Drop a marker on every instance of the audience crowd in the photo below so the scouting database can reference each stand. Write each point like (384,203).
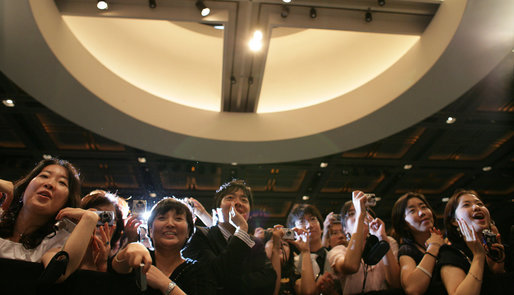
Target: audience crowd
(53,241)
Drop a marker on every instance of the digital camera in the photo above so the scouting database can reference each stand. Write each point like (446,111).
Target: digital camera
(289,234)
(489,240)
(371,200)
(105,216)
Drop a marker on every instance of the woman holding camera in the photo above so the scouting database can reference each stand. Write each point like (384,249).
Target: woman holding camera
(170,225)
(475,261)
(356,277)
(413,223)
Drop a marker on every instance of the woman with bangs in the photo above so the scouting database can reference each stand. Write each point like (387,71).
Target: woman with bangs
(476,262)
(170,226)
(414,227)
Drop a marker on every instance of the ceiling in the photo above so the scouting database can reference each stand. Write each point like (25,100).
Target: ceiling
(73,102)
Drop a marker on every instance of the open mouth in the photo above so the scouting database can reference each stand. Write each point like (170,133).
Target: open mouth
(170,234)
(45,194)
(478,216)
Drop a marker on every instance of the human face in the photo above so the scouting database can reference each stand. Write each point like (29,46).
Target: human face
(311,224)
(285,250)
(169,230)
(418,216)
(239,201)
(351,220)
(259,233)
(336,235)
(473,211)
(47,193)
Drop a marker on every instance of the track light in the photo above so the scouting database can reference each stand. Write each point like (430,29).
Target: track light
(204,10)
(285,11)
(368,17)
(152,3)
(102,5)
(381,2)
(313,13)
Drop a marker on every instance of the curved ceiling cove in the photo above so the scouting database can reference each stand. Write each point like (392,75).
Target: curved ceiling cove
(316,88)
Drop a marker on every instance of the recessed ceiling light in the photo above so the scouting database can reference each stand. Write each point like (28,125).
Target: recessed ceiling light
(219,27)
(102,5)
(47,156)
(8,103)
(152,195)
(323,164)
(407,166)
(286,1)
(451,120)
(233,163)
(141,160)
(305,198)
(487,168)
(445,200)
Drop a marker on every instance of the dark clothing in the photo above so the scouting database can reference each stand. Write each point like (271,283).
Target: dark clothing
(455,255)
(436,285)
(236,268)
(189,276)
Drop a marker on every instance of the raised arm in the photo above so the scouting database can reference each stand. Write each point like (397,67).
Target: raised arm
(325,238)
(306,285)
(377,228)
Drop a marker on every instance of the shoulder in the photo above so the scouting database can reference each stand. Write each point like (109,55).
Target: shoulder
(451,255)
(407,249)
(336,252)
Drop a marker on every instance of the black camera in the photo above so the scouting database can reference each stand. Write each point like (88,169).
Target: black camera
(105,216)
(489,240)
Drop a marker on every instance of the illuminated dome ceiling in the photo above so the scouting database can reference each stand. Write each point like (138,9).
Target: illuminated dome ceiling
(165,80)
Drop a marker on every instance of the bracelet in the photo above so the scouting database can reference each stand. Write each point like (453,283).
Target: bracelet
(434,244)
(425,271)
(118,260)
(476,278)
(171,286)
(435,257)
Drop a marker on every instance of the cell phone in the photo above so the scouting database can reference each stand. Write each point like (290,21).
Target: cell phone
(140,278)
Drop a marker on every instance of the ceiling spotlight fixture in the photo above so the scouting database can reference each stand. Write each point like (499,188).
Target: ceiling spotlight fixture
(313,13)
(286,1)
(445,200)
(141,160)
(323,165)
(381,2)
(285,11)
(407,166)
(8,103)
(102,5)
(47,156)
(152,3)
(219,27)
(256,41)
(487,168)
(368,17)
(451,120)
(204,10)
(305,198)
(152,195)
(233,163)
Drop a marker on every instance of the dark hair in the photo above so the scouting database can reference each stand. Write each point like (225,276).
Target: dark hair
(9,217)
(99,198)
(172,204)
(344,213)
(401,230)
(449,214)
(299,212)
(288,269)
(231,187)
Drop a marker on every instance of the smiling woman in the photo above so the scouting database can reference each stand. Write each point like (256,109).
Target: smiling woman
(27,226)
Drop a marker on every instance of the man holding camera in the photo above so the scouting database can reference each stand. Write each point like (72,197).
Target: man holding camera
(237,262)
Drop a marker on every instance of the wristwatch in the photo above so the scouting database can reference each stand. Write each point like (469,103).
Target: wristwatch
(171,286)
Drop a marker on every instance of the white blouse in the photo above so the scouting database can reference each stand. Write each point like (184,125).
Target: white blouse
(13,250)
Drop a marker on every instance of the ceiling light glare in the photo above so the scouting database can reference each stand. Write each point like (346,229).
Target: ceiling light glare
(451,120)
(255,43)
(305,198)
(487,168)
(445,200)
(407,166)
(47,156)
(102,5)
(286,1)
(323,165)
(257,35)
(152,195)
(204,10)
(233,163)
(8,103)
(141,160)
(219,27)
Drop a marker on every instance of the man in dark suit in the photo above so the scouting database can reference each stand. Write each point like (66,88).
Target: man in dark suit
(236,260)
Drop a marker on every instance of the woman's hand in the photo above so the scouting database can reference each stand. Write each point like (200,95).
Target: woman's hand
(131,229)
(359,202)
(377,228)
(102,245)
(326,284)
(302,240)
(156,279)
(134,255)
(471,238)
(74,214)
(435,240)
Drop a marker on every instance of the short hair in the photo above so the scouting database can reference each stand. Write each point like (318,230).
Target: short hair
(99,198)
(8,218)
(401,230)
(231,187)
(300,211)
(452,231)
(172,204)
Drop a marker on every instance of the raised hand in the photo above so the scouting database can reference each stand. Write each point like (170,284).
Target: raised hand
(74,214)
(102,245)
(134,255)
(302,240)
(131,229)
(377,228)
(359,202)
(470,237)
(435,239)
(237,220)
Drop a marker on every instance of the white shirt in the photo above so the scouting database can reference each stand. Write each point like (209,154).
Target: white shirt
(13,250)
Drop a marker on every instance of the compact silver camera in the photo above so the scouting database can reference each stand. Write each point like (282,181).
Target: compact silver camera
(289,234)
(371,200)
(105,216)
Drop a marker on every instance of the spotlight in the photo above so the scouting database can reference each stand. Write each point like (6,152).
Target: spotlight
(487,168)
(368,17)
(204,10)
(152,3)
(305,198)
(313,13)
(141,160)
(102,5)
(451,120)
(285,11)
(381,2)
(286,1)
(8,103)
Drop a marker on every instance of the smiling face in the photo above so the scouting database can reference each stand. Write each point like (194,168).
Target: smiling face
(47,192)
(239,200)
(418,216)
(473,211)
(169,230)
